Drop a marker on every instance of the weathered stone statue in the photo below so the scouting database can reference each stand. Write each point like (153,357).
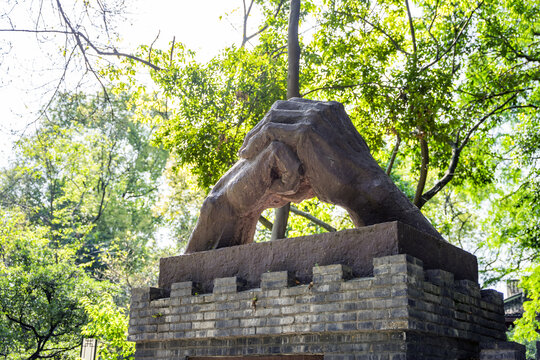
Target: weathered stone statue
(301,148)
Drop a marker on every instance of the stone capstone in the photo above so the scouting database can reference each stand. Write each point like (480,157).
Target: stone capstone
(355,248)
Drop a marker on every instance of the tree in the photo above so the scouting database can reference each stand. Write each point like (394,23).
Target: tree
(83,189)
(89,175)
(433,80)
(40,290)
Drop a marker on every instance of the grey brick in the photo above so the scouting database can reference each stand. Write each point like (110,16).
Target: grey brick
(140,295)
(264,330)
(297,328)
(163,327)
(180,326)
(269,293)
(192,317)
(227,323)
(282,320)
(335,272)
(341,296)
(196,325)
(258,322)
(295,309)
(276,280)
(396,259)
(326,287)
(163,302)
(279,301)
(440,277)
(341,326)
(294,291)
(492,296)
(227,285)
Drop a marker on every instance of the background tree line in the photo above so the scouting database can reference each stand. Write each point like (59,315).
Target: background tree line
(446,94)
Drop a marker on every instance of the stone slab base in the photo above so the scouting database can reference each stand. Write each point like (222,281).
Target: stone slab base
(355,248)
(403,311)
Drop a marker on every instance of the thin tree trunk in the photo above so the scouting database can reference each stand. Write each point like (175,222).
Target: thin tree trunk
(293,75)
(293,90)
(394,154)
(423,173)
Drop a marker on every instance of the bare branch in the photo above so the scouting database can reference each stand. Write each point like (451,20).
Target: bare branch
(411,26)
(266,223)
(312,218)
(172,51)
(151,46)
(246,38)
(78,36)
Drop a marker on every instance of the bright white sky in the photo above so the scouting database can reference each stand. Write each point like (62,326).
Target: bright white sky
(28,76)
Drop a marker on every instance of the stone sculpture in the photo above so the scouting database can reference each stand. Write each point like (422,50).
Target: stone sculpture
(300,149)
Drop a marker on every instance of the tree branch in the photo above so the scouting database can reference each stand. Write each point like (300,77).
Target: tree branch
(454,43)
(151,46)
(246,38)
(78,36)
(23,325)
(411,26)
(312,218)
(431,25)
(449,175)
(483,119)
(341,87)
(456,152)
(266,223)
(392,40)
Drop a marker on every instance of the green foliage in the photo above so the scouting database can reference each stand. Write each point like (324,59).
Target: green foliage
(180,207)
(40,289)
(109,324)
(527,327)
(89,175)
(77,206)
(439,83)
(207,109)
(334,216)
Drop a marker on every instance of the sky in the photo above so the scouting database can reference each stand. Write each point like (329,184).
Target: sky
(29,74)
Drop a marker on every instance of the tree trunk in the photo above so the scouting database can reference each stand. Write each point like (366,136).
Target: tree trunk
(293,75)
(293,90)
(423,173)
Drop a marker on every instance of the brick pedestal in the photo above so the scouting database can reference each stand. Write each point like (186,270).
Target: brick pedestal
(402,311)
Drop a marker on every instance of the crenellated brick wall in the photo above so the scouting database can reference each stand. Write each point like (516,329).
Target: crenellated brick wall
(401,312)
